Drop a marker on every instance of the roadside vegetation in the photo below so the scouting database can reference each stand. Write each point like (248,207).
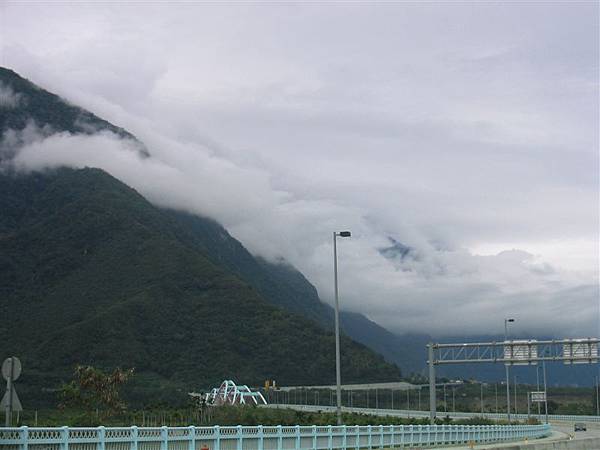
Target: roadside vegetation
(223,416)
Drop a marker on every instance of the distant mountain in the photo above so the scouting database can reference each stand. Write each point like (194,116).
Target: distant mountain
(90,272)
(559,374)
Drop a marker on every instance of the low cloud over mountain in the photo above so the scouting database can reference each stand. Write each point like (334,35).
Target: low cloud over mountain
(459,151)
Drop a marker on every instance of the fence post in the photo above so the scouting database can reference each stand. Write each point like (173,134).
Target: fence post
(164,438)
(370,439)
(134,438)
(380,436)
(297,443)
(279,438)
(392,427)
(217,433)
(329,438)
(192,442)
(64,436)
(314,437)
(261,438)
(101,438)
(239,444)
(24,437)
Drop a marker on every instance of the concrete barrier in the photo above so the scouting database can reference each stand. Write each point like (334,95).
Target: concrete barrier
(575,444)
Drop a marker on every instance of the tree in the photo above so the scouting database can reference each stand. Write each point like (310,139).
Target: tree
(95,390)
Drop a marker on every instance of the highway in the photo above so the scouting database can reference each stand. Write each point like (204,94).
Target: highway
(563,429)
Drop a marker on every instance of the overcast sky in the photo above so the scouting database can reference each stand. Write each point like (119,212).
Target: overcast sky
(465,131)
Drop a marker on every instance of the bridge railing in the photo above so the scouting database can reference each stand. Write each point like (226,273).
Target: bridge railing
(262,437)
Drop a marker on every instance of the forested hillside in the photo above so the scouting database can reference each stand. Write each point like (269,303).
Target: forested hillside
(90,272)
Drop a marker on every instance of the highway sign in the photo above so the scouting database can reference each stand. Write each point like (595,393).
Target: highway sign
(14,364)
(539,396)
(520,352)
(16,403)
(580,351)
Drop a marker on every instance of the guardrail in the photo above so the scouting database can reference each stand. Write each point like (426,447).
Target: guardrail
(440,414)
(262,437)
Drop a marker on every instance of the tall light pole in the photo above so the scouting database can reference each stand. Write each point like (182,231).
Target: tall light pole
(338,376)
(506,322)
(545,391)
(496,389)
(537,384)
(515,389)
(597,401)
(481,397)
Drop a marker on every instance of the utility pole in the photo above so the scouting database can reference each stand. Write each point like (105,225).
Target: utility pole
(453,399)
(481,397)
(537,384)
(506,321)
(432,405)
(516,411)
(545,391)
(496,389)
(338,376)
(597,403)
(445,403)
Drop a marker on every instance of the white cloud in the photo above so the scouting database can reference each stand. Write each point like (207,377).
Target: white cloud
(286,122)
(9,99)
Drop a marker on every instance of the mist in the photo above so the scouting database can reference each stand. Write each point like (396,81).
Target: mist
(457,149)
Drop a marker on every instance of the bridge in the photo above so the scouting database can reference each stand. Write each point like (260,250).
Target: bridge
(264,437)
(561,425)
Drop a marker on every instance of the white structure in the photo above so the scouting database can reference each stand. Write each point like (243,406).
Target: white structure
(231,394)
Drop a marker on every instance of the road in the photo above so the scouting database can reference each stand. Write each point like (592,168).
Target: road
(562,430)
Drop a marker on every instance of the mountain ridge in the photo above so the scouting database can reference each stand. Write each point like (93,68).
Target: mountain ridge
(93,273)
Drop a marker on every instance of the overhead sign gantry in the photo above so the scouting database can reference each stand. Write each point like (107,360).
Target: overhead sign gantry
(510,352)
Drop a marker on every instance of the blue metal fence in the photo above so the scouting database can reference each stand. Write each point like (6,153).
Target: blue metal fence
(262,437)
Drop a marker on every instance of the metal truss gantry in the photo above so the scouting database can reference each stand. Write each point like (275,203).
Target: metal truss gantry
(510,352)
(231,394)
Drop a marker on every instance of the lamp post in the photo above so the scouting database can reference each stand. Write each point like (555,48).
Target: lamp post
(515,389)
(506,322)
(597,401)
(537,384)
(545,390)
(338,377)
(481,397)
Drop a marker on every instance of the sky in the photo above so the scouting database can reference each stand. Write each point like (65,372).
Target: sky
(466,132)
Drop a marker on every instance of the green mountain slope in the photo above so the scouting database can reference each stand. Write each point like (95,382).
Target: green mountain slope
(280,283)
(33,105)
(283,285)
(90,272)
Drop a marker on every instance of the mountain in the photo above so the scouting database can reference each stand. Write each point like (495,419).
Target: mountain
(81,283)
(279,283)
(90,272)
(283,285)
(23,104)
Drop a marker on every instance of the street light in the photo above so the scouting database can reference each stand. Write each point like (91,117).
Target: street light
(506,322)
(338,377)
